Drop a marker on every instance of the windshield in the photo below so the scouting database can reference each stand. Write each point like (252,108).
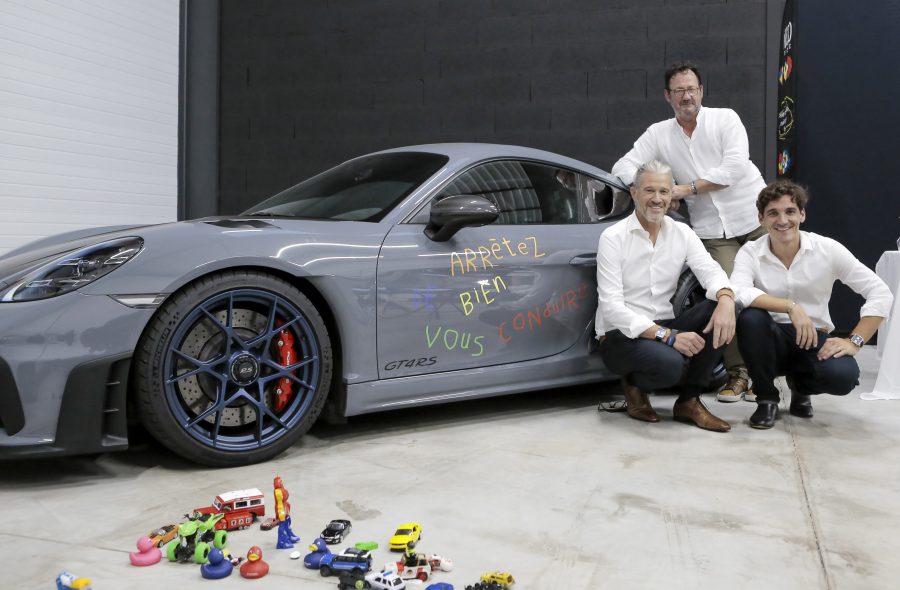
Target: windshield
(364,189)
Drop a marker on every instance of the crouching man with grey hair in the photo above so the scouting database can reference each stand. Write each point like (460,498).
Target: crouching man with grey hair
(639,261)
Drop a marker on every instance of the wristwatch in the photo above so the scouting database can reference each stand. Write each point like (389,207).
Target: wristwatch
(858,340)
(660,334)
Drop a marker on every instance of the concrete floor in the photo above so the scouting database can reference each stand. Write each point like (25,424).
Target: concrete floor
(540,485)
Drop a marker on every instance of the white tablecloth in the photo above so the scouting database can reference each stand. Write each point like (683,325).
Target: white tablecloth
(887,384)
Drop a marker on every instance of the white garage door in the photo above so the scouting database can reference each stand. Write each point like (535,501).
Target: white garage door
(88,115)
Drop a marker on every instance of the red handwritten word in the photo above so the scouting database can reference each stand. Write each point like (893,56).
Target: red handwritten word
(531,319)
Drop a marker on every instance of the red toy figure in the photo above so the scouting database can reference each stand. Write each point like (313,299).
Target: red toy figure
(254,567)
(286,537)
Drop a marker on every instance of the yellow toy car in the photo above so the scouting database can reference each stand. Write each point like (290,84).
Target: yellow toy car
(405,536)
(503,578)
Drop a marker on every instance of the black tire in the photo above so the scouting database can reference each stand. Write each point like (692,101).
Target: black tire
(325,571)
(688,293)
(216,319)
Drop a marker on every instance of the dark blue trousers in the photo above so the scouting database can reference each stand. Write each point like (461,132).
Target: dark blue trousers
(769,350)
(651,365)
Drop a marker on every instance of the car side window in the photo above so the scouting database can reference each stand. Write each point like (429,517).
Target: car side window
(525,193)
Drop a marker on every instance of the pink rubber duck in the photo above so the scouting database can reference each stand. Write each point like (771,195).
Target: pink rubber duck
(147,553)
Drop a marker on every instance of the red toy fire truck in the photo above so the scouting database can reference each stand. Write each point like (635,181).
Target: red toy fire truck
(240,507)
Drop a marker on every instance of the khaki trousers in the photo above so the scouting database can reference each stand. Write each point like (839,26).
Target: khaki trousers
(724,251)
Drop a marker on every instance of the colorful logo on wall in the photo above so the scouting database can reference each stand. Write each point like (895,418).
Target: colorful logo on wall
(786,118)
(786,70)
(785,161)
(786,37)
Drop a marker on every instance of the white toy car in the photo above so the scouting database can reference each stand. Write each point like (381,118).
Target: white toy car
(386,580)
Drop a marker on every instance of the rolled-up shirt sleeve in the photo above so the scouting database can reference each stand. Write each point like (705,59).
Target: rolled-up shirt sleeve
(742,278)
(859,277)
(735,153)
(644,150)
(707,270)
(611,291)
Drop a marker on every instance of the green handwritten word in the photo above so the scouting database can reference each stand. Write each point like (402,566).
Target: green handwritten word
(481,293)
(453,339)
(484,256)
(532,318)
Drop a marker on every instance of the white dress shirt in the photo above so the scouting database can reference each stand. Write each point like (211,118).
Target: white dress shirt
(809,280)
(717,151)
(636,279)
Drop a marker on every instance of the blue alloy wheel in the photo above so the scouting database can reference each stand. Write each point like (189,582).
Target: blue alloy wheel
(243,373)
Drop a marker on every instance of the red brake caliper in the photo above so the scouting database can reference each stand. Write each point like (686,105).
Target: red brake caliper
(284,390)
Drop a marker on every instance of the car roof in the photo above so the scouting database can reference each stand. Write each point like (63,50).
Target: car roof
(238,494)
(463,154)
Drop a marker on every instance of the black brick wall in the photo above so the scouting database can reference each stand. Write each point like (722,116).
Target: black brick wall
(306,84)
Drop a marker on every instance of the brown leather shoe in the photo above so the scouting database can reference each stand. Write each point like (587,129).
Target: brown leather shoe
(637,405)
(694,412)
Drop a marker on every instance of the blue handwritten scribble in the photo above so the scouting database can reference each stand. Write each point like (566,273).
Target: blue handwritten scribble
(424,298)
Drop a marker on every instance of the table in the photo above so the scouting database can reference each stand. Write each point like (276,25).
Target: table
(887,384)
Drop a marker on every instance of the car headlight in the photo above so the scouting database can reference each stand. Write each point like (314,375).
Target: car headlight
(73,270)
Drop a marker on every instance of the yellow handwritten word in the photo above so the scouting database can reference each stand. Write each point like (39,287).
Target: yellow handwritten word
(453,339)
(481,293)
(485,255)
(532,318)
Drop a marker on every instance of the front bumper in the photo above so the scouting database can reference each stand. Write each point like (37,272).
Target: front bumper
(64,365)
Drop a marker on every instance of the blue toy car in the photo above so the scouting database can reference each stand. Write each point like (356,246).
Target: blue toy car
(350,560)
(439,586)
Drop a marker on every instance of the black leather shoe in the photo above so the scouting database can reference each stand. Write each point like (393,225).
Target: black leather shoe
(801,405)
(765,415)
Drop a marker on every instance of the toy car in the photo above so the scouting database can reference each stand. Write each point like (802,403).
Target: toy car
(439,586)
(336,531)
(196,537)
(350,560)
(240,508)
(406,535)
(385,580)
(503,578)
(415,566)
(163,534)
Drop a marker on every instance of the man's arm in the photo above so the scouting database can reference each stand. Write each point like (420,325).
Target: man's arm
(718,288)
(644,150)
(735,151)
(611,291)
(861,279)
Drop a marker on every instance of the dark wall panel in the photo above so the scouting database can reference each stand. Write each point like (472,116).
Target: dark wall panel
(846,118)
(308,84)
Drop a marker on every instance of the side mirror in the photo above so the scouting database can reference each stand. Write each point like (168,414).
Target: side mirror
(608,201)
(451,214)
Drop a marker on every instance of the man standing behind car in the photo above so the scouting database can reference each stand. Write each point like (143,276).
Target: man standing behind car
(639,260)
(707,149)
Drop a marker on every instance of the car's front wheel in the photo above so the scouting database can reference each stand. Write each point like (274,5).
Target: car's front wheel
(233,369)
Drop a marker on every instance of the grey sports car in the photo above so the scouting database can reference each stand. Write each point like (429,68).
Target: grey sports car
(406,277)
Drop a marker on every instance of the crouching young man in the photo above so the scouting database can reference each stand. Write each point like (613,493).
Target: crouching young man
(784,281)
(639,260)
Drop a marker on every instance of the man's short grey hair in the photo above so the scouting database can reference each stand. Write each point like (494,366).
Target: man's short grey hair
(653,167)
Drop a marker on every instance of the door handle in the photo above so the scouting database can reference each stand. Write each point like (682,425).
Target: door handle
(584,260)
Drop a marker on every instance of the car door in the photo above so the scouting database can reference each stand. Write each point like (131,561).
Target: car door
(518,289)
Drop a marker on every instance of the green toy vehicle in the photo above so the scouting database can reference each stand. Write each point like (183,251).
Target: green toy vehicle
(196,537)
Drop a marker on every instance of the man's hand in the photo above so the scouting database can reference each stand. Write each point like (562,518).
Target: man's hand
(681,191)
(722,322)
(689,343)
(837,347)
(806,331)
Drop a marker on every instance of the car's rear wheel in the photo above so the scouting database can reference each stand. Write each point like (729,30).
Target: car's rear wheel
(233,369)
(688,293)
(325,571)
